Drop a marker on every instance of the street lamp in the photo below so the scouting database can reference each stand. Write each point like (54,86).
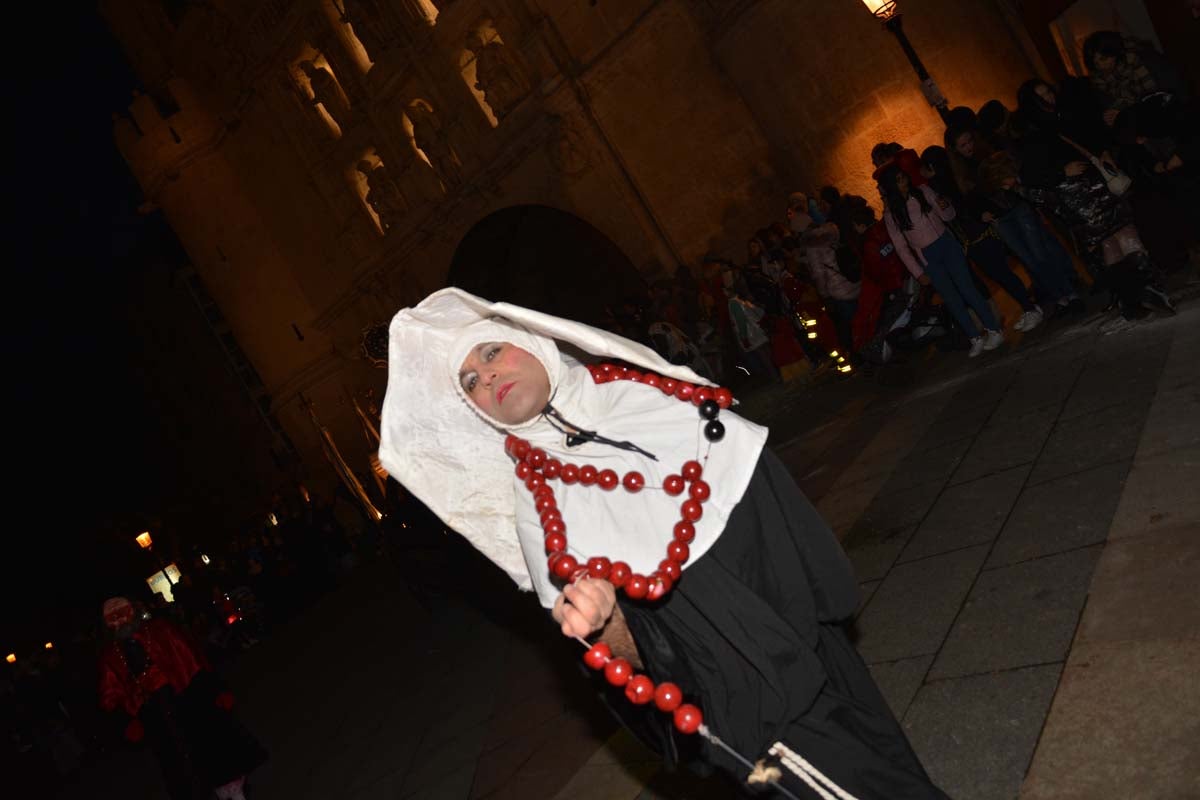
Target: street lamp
(11,658)
(49,645)
(146,543)
(888,12)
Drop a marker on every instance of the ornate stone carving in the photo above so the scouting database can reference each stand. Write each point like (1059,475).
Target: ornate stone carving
(418,11)
(366,24)
(566,149)
(497,74)
(430,138)
(326,92)
(383,195)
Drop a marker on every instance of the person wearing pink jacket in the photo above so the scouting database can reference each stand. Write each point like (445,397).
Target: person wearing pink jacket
(916,221)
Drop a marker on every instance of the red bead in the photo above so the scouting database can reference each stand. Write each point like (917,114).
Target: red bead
(542,503)
(650,379)
(552,468)
(636,586)
(633,375)
(523,470)
(542,491)
(668,385)
(549,514)
(607,368)
(673,485)
(639,690)
(599,654)
(667,696)
(570,473)
(634,481)
(556,542)
(691,510)
(563,564)
(724,397)
(678,551)
(534,480)
(619,574)
(555,526)
(692,470)
(688,718)
(598,567)
(509,442)
(579,572)
(607,479)
(700,491)
(670,568)
(588,474)
(521,449)
(658,587)
(684,391)
(702,394)
(618,672)
(536,458)
(684,531)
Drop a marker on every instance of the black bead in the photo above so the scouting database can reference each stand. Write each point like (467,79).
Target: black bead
(714,431)
(709,409)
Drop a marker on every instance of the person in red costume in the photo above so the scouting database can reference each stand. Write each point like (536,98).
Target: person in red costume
(884,155)
(883,275)
(153,673)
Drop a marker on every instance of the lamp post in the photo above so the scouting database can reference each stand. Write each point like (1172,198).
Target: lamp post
(888,12)
(146,543)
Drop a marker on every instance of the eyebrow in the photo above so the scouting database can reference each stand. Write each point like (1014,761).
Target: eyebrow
(477,349)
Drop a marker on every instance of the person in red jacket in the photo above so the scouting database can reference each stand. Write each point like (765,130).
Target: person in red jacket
(883,276)
(883,155)
(151,672)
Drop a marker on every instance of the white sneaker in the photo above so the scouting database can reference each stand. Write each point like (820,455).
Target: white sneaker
(976,347)
(992,339)
(1029,320)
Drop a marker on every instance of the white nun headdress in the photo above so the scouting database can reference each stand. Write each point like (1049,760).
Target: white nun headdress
(441,447)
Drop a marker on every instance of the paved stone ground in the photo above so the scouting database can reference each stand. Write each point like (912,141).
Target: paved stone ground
(1026,531)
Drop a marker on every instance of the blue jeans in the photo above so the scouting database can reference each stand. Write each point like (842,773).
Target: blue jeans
(1048,262)
(990,255)
(947,268)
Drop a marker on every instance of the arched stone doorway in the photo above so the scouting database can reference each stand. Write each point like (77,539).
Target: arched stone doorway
(544,258)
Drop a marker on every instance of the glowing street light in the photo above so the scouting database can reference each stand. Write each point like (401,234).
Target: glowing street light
(49,645)
(884,10)
(11,658)
(888,12)
(205,559)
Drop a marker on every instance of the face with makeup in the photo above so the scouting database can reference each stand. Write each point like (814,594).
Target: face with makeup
(505,382)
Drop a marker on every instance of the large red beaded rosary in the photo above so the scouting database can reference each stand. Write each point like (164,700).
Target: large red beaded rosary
(535,468)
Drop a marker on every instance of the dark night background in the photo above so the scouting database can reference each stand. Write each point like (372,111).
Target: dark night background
(90,461)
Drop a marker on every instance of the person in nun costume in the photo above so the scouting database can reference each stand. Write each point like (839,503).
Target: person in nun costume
(751,632)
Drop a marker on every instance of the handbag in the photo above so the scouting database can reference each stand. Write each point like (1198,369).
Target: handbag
(1117,181)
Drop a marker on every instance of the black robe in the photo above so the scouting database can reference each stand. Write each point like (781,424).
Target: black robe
(753,634)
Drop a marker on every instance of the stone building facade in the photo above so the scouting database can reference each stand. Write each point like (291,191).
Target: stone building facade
(322,160)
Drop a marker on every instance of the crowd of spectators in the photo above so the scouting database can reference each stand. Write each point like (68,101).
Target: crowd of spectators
(1101,173)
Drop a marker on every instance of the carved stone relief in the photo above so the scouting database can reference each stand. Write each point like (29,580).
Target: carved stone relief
(429,136)
(366,24)
(497,74)
(326,93)
(382,194)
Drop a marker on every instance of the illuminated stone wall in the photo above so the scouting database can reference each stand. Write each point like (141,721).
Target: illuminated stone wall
(833,83)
